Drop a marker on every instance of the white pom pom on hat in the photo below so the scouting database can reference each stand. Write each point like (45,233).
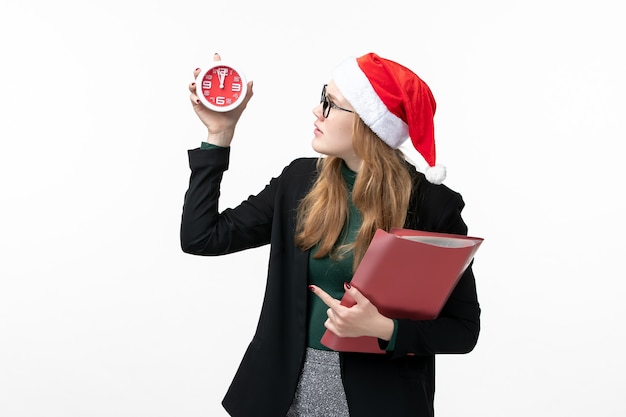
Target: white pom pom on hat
(394,102)
(436,174)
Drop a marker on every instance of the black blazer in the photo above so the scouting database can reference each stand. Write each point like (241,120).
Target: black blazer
(399,383)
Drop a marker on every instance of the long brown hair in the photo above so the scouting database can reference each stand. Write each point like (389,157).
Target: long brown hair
(381,194)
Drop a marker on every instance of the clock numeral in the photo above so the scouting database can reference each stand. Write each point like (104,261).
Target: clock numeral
(207,84)
(220,100)
(236,87)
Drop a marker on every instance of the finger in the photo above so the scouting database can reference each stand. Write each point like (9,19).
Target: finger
(330,326)
(249,95)
(194,99)
(324,296)
(192,87)
(353,292)
(216,57)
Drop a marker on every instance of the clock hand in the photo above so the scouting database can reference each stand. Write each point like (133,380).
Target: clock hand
(222,75)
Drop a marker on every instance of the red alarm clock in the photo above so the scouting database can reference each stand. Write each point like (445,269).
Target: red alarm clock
(221,87)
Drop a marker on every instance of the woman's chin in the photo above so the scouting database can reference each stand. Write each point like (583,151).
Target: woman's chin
(316,145)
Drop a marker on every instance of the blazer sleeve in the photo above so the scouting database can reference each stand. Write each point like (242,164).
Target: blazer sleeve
(205,231)
(457,328)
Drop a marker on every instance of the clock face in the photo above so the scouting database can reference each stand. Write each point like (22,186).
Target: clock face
(221,87)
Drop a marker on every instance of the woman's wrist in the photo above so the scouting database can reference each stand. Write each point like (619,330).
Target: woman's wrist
(222,138)
(385,329)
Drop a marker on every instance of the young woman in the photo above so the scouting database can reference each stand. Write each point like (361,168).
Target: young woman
(319,216)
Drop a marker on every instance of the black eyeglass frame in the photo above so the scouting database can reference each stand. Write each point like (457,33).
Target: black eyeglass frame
(327,104)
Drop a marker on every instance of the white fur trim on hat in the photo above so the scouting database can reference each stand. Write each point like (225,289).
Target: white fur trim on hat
(356,88)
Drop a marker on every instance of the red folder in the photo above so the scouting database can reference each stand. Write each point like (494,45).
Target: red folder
(406,274)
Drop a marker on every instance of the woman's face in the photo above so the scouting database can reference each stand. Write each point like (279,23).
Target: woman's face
(333,134)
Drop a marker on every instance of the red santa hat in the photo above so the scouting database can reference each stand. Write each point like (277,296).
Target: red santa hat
(394,102)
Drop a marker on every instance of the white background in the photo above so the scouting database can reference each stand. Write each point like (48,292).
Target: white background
(101,314)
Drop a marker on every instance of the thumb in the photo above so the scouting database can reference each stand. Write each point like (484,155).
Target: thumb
(249,92)
(353,292)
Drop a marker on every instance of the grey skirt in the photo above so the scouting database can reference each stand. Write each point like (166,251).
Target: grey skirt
(320,390)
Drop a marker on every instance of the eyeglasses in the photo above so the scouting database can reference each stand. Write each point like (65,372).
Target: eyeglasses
(327,104)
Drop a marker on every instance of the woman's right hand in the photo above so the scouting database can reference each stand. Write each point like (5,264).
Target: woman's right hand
(220,125)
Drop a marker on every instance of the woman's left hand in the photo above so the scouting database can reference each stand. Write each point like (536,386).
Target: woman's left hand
(362,319)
